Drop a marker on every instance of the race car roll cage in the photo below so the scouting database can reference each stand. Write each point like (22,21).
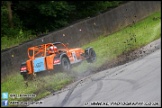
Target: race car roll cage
(42,50)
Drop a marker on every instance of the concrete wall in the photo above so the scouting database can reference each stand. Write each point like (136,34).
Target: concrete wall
(82,32)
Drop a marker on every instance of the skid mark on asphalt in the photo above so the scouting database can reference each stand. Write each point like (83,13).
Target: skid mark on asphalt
(79,92)
(99,87)
(78,99)
(68,94)
(132,82)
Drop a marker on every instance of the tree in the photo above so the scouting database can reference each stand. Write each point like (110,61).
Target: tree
(91,8)
(10,22)
(9,13)
(43,16)
(46,16)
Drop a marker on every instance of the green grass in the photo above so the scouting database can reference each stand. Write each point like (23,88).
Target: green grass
(8,42)
(106,47)
(42,86)
(129,38)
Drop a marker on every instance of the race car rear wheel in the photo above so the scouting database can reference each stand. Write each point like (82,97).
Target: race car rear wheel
(25,76)
(65,64)
(91,55)
(28,76)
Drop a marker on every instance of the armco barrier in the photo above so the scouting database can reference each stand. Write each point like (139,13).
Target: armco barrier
(82,32)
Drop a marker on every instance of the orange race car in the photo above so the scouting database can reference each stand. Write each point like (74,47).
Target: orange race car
(51,55)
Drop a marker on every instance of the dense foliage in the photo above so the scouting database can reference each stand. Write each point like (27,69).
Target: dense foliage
(26,18)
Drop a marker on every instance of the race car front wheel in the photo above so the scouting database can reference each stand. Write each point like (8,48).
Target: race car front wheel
(65,64)
(91,55)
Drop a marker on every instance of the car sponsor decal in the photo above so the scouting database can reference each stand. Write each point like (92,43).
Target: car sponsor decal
(39,64)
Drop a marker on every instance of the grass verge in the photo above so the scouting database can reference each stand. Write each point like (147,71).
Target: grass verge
(41,86)
(8,42)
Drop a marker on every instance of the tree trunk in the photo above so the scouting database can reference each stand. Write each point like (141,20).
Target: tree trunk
(9,14)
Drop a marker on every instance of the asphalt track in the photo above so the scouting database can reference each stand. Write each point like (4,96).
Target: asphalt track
(137,83)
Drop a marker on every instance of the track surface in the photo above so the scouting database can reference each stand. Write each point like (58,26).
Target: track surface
(137,83)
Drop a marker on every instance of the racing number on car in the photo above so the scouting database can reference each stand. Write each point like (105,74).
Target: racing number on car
(74,56)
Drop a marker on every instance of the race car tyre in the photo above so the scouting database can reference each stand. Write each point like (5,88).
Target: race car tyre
(28,76)
(25,76)
(65,64)
(91,55)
